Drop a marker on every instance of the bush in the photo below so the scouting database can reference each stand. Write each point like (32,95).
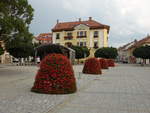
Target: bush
(92,66)
(103,63)
(81,52)
(111,63)
(106,52)
(45,49)
(55,76)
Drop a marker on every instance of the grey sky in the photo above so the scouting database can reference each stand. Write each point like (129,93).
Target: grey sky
(128,19)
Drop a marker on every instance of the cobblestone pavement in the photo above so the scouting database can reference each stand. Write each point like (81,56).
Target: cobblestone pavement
(123,89)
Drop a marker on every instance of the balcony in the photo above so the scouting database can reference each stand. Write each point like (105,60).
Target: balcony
(95,36)
(81,36)
(68,37)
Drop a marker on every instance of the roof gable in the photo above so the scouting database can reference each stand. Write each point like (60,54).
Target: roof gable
(81,27)
(141,42)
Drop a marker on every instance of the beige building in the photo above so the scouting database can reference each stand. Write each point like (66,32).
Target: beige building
(126,52)
(90,33)
(123,52)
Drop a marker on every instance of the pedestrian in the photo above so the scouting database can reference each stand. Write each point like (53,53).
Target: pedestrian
(38,60)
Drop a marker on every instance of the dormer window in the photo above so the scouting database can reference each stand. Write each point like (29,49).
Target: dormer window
(95,34)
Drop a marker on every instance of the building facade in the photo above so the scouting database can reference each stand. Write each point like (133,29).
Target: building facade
(126,52)
(43,38)
(90,33)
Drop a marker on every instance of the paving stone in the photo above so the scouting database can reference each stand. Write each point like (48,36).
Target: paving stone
(122,89)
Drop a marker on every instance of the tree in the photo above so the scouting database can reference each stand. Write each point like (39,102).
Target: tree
(20,46)
(142,52)
(106,52)
(80,52)
(15,17)
(86,51)
(1,50)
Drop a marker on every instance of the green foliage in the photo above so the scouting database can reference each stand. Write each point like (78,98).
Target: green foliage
(106,52)
(80,52)
(20,46)
(86,51)
(1,50)
(45,49)
(142,52)
(15,17)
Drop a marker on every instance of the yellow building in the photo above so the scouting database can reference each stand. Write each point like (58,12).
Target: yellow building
(90,33)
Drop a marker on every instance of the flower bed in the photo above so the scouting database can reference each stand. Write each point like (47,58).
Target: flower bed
(111,63)
(92,66)
(103,63)
(55,76)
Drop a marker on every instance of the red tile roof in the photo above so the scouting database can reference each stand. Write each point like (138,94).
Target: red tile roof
(139,43)
(45,37)
(125,47)
(68,26)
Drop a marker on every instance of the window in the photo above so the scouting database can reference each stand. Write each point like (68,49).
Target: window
(95,34)
(95,45)
(57,36)
(84,44)
(81,44)
(81,34)
(69,34)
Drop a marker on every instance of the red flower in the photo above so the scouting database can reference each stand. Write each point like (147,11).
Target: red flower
(55,76)
(92,66)
(104,63)
(111,63)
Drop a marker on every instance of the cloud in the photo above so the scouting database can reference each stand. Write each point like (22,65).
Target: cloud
(128,19)
(81,7)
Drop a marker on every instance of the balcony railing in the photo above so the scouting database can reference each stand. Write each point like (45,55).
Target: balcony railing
(95,36)
(81,36)
(68,37)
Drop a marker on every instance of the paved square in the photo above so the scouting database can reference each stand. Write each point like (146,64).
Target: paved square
(122,89)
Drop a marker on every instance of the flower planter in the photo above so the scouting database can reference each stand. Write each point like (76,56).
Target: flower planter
(55,76)
(104,63)
(92,66)
(111,63)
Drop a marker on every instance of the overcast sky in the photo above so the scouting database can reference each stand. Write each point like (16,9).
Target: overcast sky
(128,19)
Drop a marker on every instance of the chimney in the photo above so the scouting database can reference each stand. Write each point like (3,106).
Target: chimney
(90,18)
(79,19)
(57,21)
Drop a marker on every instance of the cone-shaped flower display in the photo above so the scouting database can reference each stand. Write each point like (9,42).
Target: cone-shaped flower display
(103,63)
(111,63)
(92,66)
(55,76)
